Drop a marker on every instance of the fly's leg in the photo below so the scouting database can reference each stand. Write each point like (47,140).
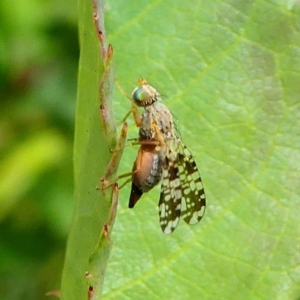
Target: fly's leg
(113,164)
(134,110)
(107,181)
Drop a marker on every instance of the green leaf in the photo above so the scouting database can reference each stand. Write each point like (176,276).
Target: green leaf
(229,71)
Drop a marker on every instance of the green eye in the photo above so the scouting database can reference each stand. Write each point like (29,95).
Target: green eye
(144,95)
(140,94)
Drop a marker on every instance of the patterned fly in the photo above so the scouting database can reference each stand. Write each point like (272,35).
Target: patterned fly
(163,157)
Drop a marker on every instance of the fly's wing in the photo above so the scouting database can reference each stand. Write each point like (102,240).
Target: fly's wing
(182,192)
(171,193)
(193,200)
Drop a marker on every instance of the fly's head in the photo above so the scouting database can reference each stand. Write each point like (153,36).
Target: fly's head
(144,95)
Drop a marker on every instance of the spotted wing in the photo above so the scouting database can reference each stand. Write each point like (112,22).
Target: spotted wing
(170,195)
(182,192)
(193,200)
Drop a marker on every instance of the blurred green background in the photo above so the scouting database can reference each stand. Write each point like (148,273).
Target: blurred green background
(38,70)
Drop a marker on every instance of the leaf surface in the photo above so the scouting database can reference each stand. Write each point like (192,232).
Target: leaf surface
(229,72)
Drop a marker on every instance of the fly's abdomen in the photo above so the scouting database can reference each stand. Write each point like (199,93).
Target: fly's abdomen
(146,172)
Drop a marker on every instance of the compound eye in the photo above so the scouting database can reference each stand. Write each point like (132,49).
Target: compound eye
(145,95)
(140,96)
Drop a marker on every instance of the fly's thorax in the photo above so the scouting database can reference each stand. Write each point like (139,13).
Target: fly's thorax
(163,118)
(147,133)
(157,123)
(147,169)
(147,129)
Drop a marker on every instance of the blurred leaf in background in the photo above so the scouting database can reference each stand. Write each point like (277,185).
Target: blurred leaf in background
(38,73)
